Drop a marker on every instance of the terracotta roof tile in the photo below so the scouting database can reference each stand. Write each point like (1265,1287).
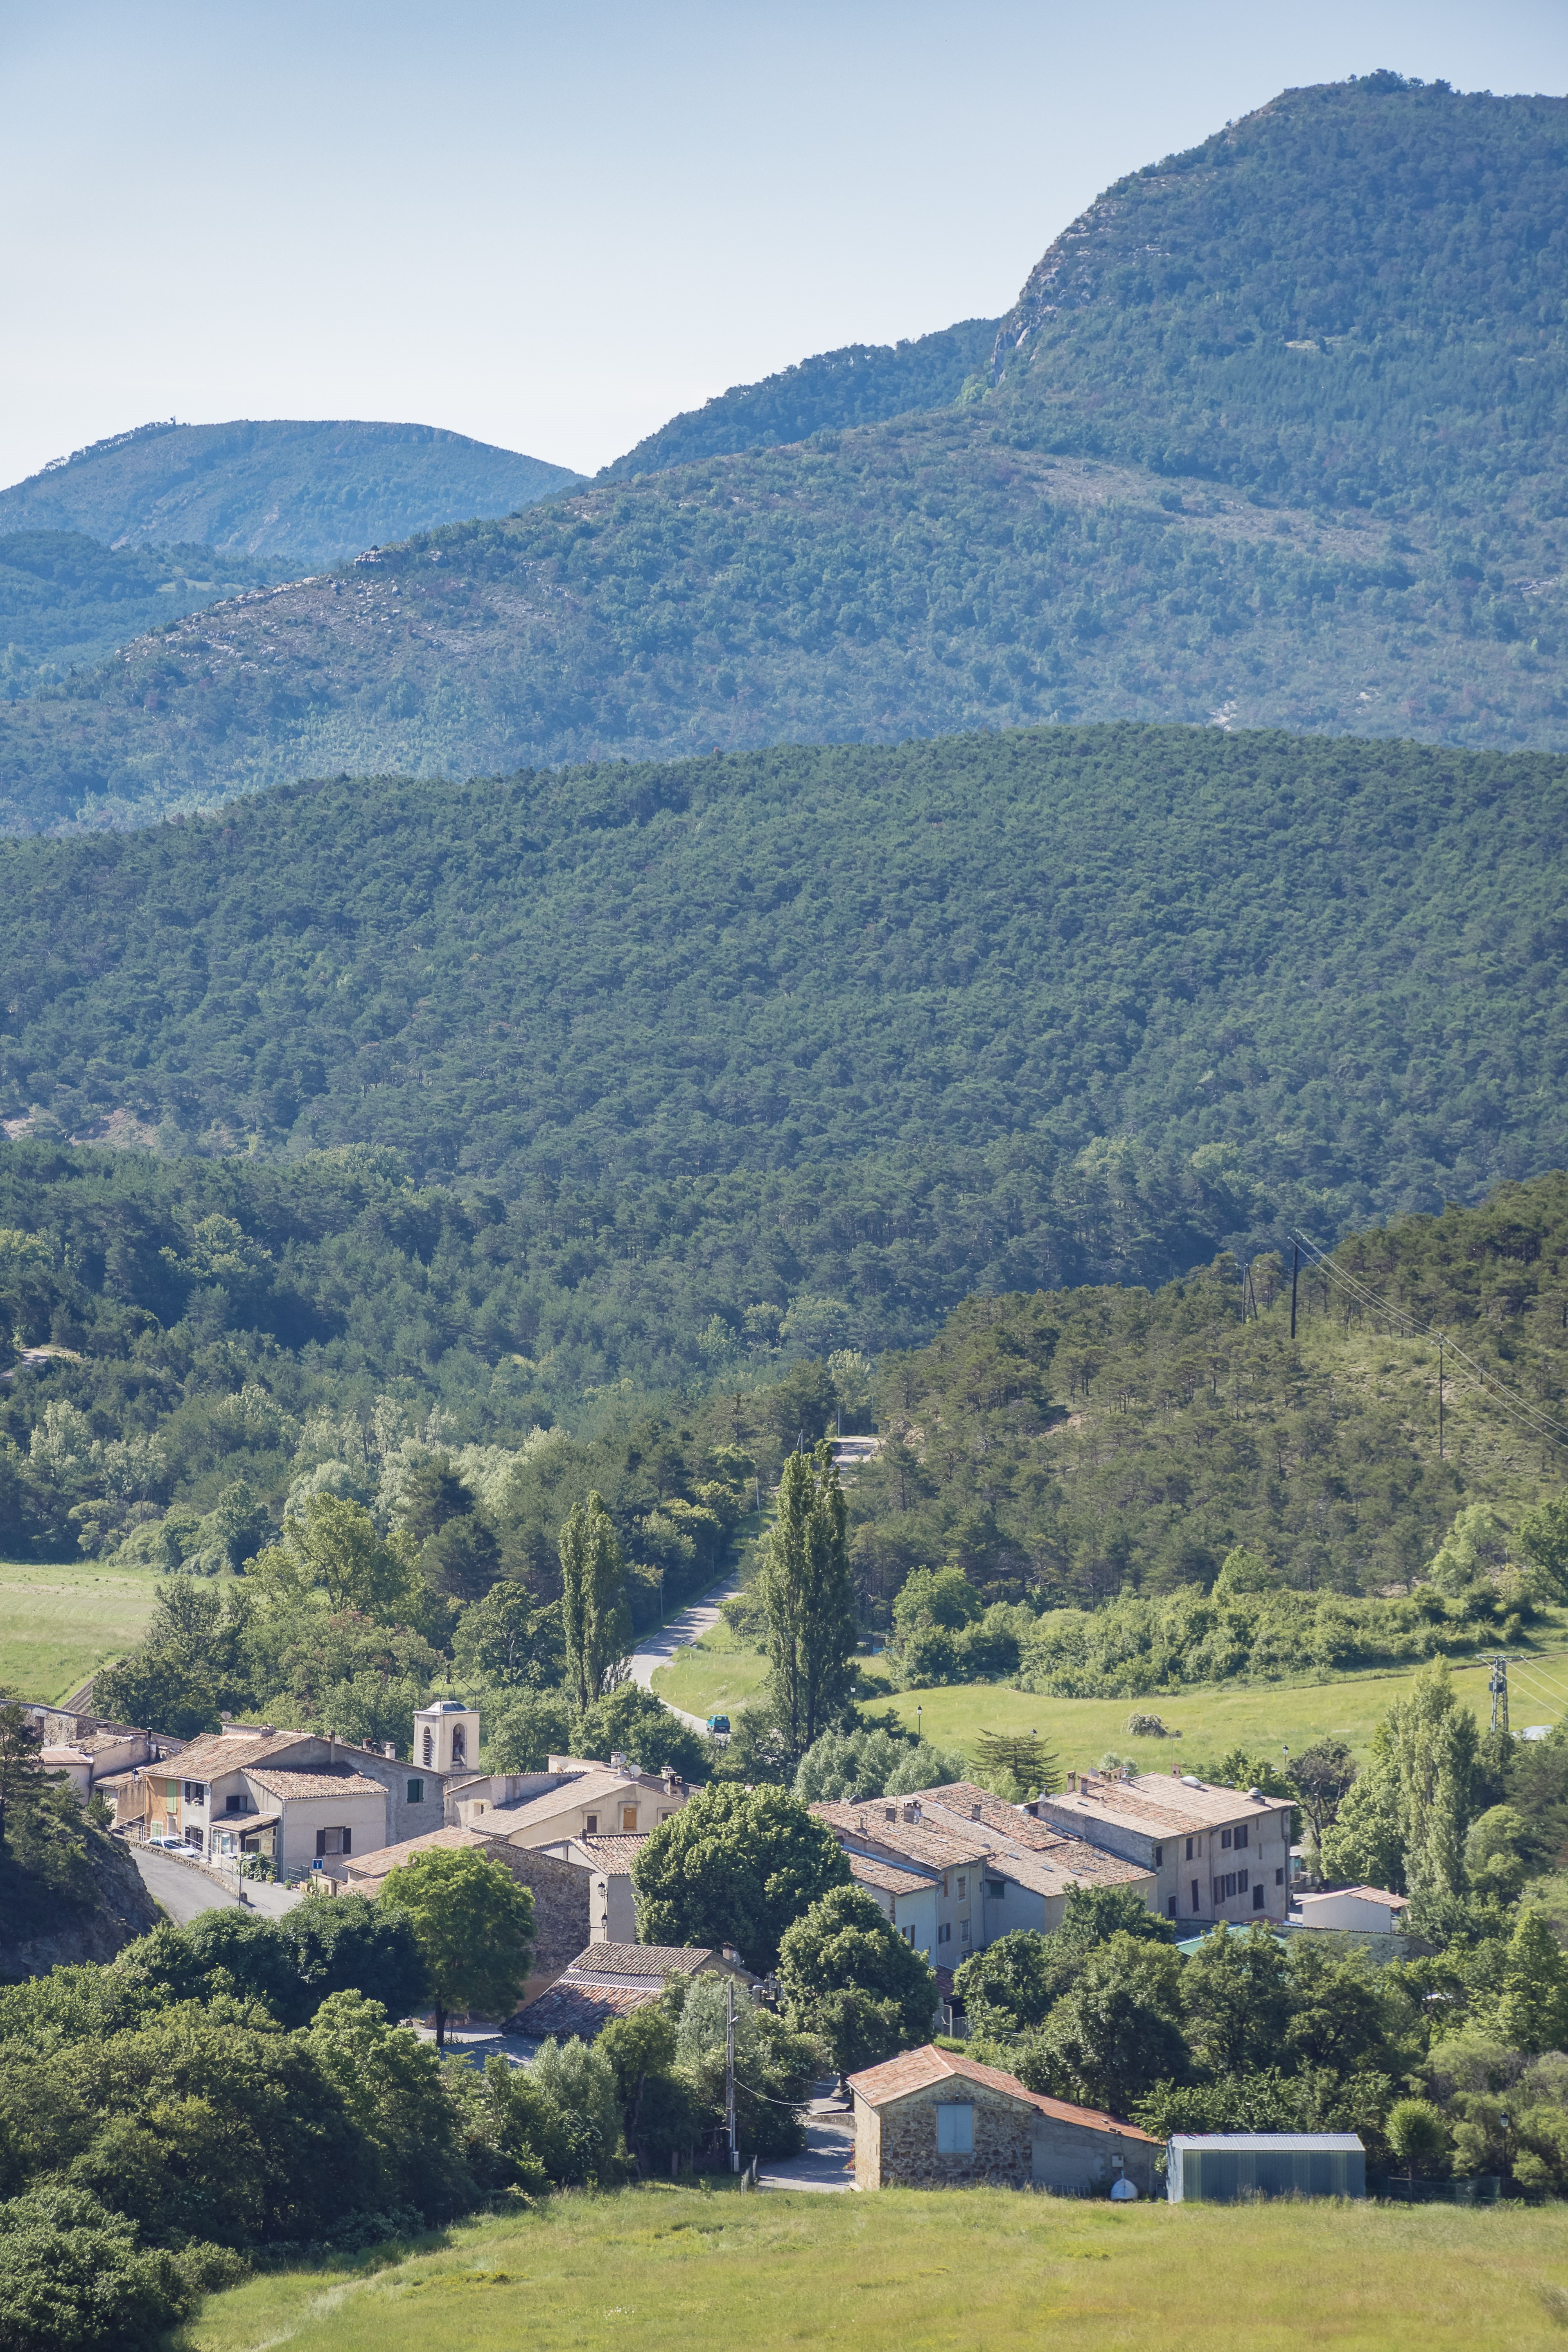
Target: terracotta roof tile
(571,2010)
(285,1784)
(391,1857)
(656,1960)
(889,1877)
(209,1757)
(616,1854)
(1155,1805)
(943,1848)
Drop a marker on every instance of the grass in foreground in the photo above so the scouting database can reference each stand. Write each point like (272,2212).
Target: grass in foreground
(1258,1717)
(661,2267)
(58,1624)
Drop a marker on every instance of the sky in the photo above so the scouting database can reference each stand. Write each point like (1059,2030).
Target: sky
(555,226)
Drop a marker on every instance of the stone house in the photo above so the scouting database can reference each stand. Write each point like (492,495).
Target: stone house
(932,2120)
(612,1897)
(561,1891)
(1217,1854)
(606,1981)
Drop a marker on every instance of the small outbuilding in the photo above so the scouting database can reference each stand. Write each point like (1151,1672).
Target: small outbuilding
(1364,1910)
(931,2119)
(1226,2168)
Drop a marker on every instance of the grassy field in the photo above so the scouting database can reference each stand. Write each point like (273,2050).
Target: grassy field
(57,1623)
(667,2267)
(717,1674)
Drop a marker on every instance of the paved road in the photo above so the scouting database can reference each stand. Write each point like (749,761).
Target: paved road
(184,1889)
(830,2147)
(679,1634)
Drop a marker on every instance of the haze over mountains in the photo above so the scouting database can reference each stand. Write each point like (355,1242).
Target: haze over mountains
(1272,438)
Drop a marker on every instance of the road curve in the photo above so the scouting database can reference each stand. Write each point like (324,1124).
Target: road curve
(678,1634)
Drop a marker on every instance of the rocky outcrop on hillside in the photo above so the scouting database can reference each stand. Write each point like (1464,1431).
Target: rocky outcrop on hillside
(51,1918)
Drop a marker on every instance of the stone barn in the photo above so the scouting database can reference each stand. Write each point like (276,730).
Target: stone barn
(931,2119)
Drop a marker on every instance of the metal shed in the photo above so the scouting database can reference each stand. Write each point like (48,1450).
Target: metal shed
(1221,2168)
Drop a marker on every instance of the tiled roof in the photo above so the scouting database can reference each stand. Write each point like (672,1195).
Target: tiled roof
(599,1785)
(1015,1829)
(615,1856)
(1368,1894)
(889,1877)
(573,2009)
(218,1752)
(1157,1805)
(390,1857)
(941,1848)
(342,1783)
(656,1960)
(917,2070)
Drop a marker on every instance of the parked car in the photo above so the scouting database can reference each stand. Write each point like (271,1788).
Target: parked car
(718,1724)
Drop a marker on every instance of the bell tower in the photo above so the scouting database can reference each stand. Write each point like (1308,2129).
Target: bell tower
(447,1737)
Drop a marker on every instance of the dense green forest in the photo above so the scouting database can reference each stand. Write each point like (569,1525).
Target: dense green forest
(285,489)
(861,384)
(1365,534)
(67,599)
(823,1040)
(1062,1448)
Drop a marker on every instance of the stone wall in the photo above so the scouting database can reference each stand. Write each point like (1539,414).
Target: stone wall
(1002,2155)
(560,1891)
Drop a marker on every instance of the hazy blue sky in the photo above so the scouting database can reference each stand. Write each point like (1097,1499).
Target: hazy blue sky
(553,226)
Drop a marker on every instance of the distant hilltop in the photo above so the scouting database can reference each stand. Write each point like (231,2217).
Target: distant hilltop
(312,491)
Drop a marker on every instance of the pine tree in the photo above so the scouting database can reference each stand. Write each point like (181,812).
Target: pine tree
(1533,2011)
(807,1598)
(594,1614)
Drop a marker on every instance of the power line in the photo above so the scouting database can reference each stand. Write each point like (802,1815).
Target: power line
(1536,1422)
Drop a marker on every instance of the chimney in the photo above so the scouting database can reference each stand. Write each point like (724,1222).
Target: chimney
(389,1749)
(890,1813)
(332,1747)
(1072,1781)
(974,1813)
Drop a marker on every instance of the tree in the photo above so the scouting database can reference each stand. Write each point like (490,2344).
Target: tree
(807,1598)
(594,1613)
(1323,1776)
(433,1493)
(23,1778)
(347,1943)
(237,1523)
(494,1638)
(462,1558)
(632,1722)
(1093,1915)
(1117,2034)
(1011,1986)
(1418,2135)
(661,2115)
(848,1975)
(1494,1852)
(183,1669)
(473,1925)
(774,2064)
(1544,1540)
(1236,2000)
(1020,1759)
(1403,1823)
(332,1546)
(734,1864)
(525,1728)
(1533,2011)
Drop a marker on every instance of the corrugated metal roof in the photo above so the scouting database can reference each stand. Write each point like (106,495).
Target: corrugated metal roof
(1260,2143)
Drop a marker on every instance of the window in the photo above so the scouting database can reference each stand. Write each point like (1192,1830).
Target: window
(1257,1896)
(1195,1898)
(1225,1839)
(944,1933)
(1189,1849)
(963,1931)
(954,2129)
(1240,1836)
(195,1792)
(334,1840)
(994,1889)
(1241,1882)
(1279,1878)
(1223,1888)
(1159,1857)
(590,1824)
(1170,1907)
(234,1804)
(963,1887)
(417,1792)
(628,1817)
(459,1744)
(908,1934)
(428,1746)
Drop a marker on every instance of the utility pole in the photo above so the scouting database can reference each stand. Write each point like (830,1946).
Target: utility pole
(730,2073)
(1498,1685)
(1295,1269)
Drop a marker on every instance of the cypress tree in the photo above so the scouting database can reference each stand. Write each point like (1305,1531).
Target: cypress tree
(808,1599)
(1533,2011)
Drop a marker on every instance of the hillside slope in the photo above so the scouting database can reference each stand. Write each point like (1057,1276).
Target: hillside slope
(849,1023)
(316,492)
(860,384)
(1362,536)
(67,599)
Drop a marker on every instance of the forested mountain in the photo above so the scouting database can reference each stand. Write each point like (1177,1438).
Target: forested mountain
(1203,497)
(311,493)
(67,599)
(860,384)
(835,1036)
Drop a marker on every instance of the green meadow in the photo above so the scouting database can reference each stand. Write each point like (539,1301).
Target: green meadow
(717,1675)
(57,1624)
(664,2268)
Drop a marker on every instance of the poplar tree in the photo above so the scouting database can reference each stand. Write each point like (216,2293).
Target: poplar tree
(807,1598)
(594,1615)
